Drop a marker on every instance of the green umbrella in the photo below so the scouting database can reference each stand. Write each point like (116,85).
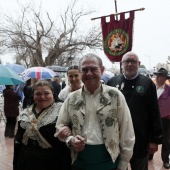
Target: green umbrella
(9,77)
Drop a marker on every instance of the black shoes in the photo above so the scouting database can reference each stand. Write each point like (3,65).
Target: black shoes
(10,135)
(166,165)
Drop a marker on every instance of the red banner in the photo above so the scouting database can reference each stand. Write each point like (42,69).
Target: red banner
(117,36)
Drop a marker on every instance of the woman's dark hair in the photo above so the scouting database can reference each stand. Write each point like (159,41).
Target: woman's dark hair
(8,87)
(72,67)
(43,83)
(28,82)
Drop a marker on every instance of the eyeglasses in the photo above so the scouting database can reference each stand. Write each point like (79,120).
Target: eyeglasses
(130,61)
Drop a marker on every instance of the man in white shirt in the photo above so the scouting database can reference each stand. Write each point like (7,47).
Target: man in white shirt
(102,131)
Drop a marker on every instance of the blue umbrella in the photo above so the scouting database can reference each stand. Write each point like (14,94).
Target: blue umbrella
(9,77)
(16,67)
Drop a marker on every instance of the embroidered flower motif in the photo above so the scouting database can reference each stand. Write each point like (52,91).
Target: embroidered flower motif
(109,121)
(74,121)
(103,100)
(112,93)
(77,102)
(112,113)
(78,105)
(111,118)
(112,143)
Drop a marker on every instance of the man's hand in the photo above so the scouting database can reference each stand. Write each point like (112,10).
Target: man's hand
(152,148)
(77,143)
(63,133)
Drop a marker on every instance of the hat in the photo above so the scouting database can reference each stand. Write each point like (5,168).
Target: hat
(163,72)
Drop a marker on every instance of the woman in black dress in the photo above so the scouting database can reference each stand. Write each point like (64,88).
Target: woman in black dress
(35,147)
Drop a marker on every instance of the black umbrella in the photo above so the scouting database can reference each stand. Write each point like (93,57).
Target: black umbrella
(57,68)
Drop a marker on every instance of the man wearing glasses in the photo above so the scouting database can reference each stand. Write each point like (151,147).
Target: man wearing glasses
(141,97)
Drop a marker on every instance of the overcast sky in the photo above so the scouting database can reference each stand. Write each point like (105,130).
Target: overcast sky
(151,38)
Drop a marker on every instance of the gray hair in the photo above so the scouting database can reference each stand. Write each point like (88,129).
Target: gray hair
(91,55)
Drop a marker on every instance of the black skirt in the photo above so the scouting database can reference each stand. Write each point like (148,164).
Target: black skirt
(33,158)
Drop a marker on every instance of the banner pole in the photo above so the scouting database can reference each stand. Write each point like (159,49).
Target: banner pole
(140,9)
(117,20)
(116,9)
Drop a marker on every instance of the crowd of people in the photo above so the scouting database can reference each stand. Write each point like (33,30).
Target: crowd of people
(86,124)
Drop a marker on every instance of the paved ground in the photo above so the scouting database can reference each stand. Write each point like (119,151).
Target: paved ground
(6,150)
(6,153)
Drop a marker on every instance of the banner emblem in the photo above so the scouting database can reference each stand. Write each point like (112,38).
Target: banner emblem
(117,42)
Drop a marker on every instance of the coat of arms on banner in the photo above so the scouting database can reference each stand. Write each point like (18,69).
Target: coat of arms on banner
(117,42)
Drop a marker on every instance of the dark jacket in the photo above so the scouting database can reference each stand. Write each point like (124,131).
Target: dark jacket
(141,97)
(28,97)
(57,88)
(11,103)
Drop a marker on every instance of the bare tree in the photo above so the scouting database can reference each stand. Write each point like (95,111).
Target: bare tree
(2,42)
(41,42)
